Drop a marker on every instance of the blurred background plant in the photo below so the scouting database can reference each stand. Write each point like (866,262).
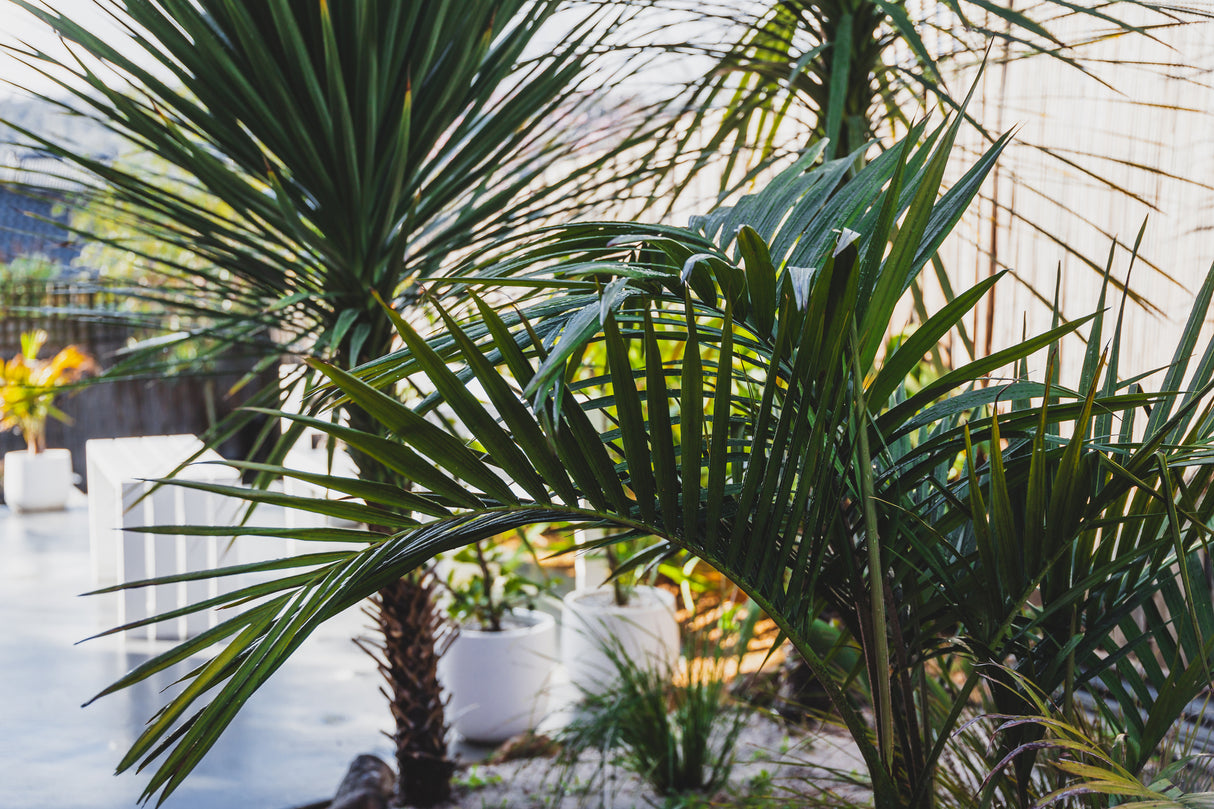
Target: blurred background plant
(486,581)
(29,385)
(780,76)
(28,268)
(855,71)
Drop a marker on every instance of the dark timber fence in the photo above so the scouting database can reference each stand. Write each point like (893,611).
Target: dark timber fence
(72,313)
(90,316)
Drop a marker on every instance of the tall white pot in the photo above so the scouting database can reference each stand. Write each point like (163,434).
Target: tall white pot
(37,482)
(499,681)
(645,631)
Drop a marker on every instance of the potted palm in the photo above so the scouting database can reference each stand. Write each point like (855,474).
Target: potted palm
(499,668)
(37,478)
(621,618)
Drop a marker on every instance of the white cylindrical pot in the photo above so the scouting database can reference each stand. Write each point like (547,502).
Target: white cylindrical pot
(644,631)
(499,681)
(37,482)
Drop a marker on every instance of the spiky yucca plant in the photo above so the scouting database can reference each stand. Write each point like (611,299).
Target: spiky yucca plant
(322,156)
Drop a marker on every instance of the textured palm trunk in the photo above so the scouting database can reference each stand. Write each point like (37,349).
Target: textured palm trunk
(414,636)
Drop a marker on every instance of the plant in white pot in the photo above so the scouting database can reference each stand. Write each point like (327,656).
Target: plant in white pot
(498,670)
(37,478)
(632,619)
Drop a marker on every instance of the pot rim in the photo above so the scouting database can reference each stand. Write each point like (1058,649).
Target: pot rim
(533,621)
(655,597)
(56,451)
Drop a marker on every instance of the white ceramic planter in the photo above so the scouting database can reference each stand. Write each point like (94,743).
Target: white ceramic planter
(37,482)
(499,681)
(645,631)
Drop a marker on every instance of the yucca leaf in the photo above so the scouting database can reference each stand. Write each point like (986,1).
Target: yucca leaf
(378,493)
(760,278)
(911,352)
(718,446)
(393,454)
(342,509)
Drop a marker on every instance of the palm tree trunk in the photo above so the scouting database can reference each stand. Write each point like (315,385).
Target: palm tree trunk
(414,637)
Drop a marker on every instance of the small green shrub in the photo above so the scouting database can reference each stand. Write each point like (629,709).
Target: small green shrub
(677,733)
(487,581)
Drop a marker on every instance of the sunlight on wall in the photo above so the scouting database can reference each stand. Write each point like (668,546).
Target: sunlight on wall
(1080,139)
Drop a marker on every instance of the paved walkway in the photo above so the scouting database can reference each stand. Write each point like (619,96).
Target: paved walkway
(289,746)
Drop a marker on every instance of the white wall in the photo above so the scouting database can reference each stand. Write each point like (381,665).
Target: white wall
(1156,111)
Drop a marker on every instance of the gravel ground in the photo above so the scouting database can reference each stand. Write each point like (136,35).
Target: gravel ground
(771,763)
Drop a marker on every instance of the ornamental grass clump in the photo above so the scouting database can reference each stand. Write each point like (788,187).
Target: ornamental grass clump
(677,731)
(28,387)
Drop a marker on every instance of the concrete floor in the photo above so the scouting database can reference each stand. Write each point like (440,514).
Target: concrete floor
(289,746)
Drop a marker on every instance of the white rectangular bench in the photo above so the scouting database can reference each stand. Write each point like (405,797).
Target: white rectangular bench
(118,494)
